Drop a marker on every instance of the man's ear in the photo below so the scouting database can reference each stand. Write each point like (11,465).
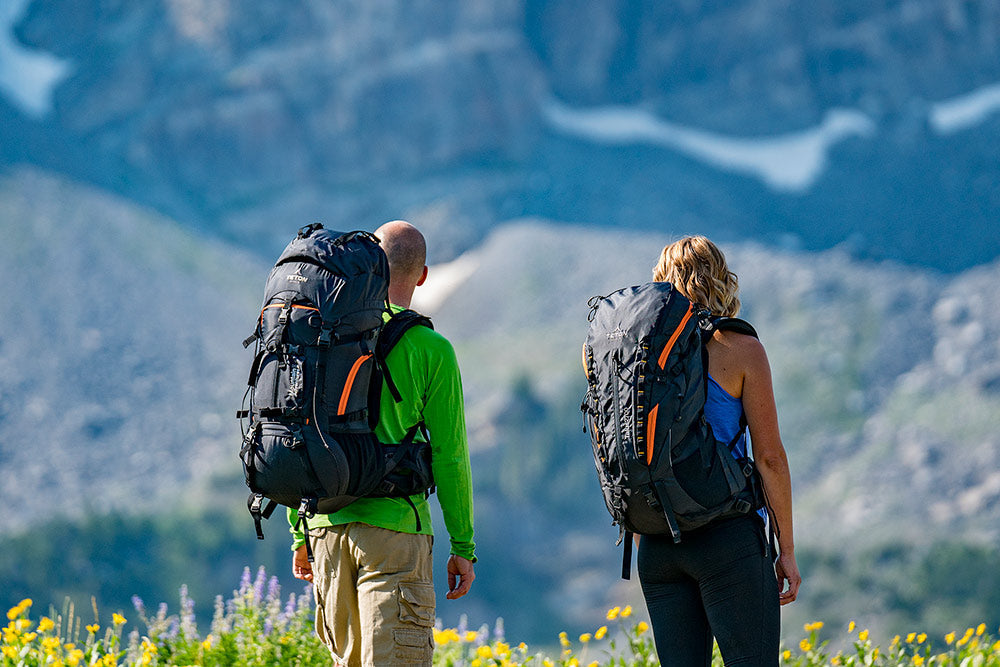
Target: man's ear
(423,276)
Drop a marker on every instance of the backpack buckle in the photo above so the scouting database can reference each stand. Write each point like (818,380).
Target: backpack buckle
(325,335)
(742,506)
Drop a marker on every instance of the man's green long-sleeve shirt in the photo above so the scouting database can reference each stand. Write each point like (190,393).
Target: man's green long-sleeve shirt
(425,370)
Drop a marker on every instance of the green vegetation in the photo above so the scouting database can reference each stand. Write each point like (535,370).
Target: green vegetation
(257,627)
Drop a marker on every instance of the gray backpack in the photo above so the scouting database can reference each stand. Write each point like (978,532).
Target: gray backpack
(660,467)
(316,379)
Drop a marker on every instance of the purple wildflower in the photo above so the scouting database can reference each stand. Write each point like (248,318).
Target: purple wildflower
(273,589)
(258,585)
(498,630)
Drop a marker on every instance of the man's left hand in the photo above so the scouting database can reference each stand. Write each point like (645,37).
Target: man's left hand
(461,574)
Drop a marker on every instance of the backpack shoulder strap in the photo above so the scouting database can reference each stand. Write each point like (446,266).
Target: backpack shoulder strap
(390,335)
(399,324)
(735,324)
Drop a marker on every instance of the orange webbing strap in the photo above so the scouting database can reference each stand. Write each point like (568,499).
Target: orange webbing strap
(673,338)
(346,394)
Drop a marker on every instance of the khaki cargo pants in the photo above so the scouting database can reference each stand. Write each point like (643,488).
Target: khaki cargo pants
(374,595)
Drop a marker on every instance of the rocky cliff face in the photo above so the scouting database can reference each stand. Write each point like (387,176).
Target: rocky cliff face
(248,118)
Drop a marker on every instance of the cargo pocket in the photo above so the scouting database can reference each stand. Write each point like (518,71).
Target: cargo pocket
(414,646)
(416,603)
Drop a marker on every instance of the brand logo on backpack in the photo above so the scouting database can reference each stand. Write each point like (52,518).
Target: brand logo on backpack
(296,277)
(617,334)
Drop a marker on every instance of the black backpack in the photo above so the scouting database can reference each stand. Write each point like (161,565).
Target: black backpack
(661,469)
(316,380)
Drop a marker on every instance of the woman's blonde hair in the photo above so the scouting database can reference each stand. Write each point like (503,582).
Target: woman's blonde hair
(698,269)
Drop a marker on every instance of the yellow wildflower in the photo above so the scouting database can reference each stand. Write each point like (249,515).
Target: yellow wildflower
(894,642)
(641,628)
(812,627)
(9,652)
(805,646)
(573,662)
(601,631)
(563,640)
(627,611)
(24,604)
(29,637)
(109,661)
(470,636)
(522,646)
(74,657)
(484,652)
(476,663)
(503,650)
(50,644)
(875,653)
(949,638)
(981,629)
(922,637)
(46,624)
(787,655)
(910,637)
(613,613)
(548,663)
(92,629)
(835,660)
(207,644)
(118,619)
(851,626)
(863,635)
(585,637)
(594,664)
(13,613)
(918,660)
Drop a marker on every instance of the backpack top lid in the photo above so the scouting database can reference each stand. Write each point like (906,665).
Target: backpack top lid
(342,253)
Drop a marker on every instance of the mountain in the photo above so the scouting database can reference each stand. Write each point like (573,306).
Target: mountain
(865,123)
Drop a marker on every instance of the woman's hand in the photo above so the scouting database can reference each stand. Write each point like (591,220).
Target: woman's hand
(789,578)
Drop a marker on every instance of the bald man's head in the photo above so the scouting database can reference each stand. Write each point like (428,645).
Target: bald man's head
(406,249)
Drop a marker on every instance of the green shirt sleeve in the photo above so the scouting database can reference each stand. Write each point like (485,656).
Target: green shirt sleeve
(444,416)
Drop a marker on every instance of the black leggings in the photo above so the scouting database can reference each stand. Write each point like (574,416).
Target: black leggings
(716,582)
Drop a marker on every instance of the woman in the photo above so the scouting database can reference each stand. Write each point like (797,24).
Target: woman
(719,580)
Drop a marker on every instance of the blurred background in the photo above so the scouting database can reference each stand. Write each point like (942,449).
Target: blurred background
(156,155)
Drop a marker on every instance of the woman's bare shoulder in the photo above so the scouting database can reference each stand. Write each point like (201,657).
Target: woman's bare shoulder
(748,349)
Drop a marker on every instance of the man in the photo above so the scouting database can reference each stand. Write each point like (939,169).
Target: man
(372,571)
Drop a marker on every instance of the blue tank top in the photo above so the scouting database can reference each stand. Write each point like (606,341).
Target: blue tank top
(723,412)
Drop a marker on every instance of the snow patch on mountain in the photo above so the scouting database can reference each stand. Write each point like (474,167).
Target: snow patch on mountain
(27,76)
(964,111)
(789,162)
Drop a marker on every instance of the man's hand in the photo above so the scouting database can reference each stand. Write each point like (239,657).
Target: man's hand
(460,576)
(301,567)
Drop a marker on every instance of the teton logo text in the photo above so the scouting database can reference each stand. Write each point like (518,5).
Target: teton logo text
(296,277)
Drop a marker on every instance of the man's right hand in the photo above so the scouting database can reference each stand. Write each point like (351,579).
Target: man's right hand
(301,567)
